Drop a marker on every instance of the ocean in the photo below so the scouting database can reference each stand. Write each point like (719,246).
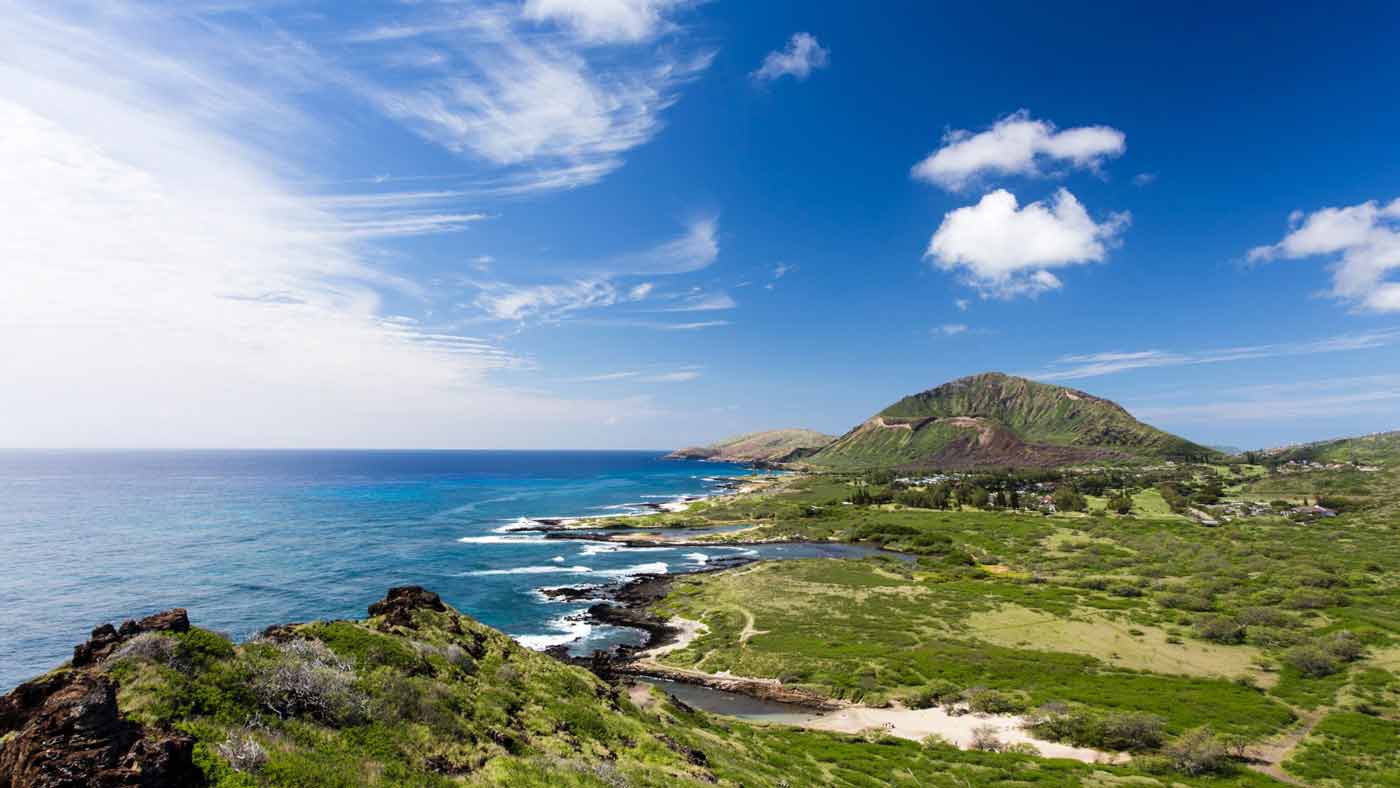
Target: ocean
(246,539)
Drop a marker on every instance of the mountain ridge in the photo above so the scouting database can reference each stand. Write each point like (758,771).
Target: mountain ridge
(775,446)
(992,419)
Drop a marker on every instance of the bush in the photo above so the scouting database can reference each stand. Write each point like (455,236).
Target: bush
(936,693)
(990,701)
(1199,752)
(305,678)
(1181,601)
(1133,731)
(1312,661)
(1344,646)
(242,751)
(985,739)
(1265,617)
(1220,629)
(154,647)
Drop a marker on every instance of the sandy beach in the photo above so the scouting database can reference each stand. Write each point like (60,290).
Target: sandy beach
(917,724)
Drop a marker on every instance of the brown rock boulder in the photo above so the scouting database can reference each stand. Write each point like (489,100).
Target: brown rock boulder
(67,733)
(398,605)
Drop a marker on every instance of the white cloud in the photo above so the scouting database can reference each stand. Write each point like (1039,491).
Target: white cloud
(962,304)
(1074,367)
(696,249)
(165,287)
(597,286)
(952,329)
(1365,237)
(703,302)
(782,269)
(682,375)
(544,302)
(799,59)
(1144,179)
(1343,398)
(1004,250)
(552,112)
(1017,145)
(605,20)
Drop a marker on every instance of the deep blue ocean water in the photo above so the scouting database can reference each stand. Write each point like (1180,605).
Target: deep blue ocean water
(245,539)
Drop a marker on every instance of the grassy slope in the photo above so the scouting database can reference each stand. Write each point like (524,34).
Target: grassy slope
(1038,413)
(425,716)
(875,631)
(1379,448)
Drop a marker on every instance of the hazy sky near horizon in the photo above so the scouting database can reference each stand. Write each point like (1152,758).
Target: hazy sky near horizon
(644,223)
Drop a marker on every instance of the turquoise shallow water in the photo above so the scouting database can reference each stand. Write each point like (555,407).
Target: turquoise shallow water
(248,539)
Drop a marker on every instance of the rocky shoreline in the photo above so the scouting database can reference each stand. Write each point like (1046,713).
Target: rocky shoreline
(629,605)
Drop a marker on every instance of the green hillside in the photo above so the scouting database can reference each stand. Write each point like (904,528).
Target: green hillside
(997,420)
(421,695)
(769,446)
(1378,448)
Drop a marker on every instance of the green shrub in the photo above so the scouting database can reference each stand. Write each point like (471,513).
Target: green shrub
(1220,629)
(1199,752)
(1312,661)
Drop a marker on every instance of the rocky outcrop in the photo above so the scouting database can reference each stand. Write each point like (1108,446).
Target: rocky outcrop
(105,638)
(64,730)
(398,605)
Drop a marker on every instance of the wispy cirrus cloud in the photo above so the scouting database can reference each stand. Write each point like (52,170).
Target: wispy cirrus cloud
(1017,145)
(1365,239)
(607,20)
(1309,400)
(551,108)
(1075,367)
(603,282)
(161,267)
(684,374)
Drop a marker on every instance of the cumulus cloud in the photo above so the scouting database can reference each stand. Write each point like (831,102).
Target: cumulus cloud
(1017,145)
(798,59)
(1004,250)
(605,20)
(1365,242)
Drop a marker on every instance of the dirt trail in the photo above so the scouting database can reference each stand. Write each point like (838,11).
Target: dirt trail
(1268,758)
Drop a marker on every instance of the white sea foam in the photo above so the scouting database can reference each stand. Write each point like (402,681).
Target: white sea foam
(596,548)
(500,538)
(533,570)
(655,568)
(699,558)
(568,628)
(558,559)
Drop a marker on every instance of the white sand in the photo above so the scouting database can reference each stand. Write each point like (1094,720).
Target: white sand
(918,723)
(689,631)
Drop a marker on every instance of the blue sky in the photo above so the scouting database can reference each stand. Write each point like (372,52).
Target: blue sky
(639,223)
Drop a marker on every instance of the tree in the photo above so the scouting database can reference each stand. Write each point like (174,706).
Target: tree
(974,496)
(1121,502)
(1015,499)
(1068,499)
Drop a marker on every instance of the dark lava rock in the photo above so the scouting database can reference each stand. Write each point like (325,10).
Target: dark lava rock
(64,731)
(398,605)
(571,593)
(105,638)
